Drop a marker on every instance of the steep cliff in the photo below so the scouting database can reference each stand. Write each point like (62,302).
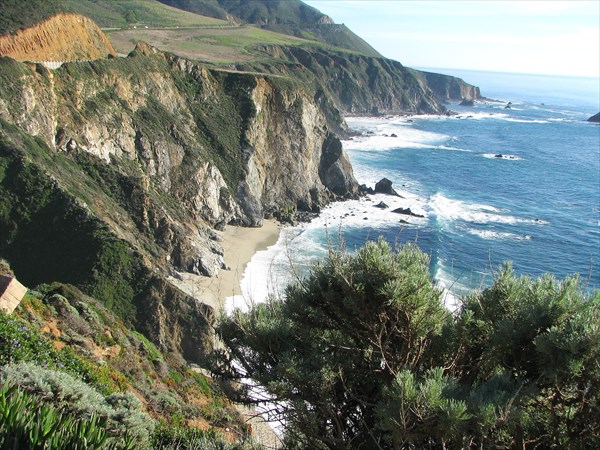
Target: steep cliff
(358,84)
(447,87)
(63,37)
(138,158)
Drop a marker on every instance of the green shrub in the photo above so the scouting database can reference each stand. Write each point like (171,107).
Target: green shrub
(25,422)
(20,342)
(154,355)
(362,353)
(122,413)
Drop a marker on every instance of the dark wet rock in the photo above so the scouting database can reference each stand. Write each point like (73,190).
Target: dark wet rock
(499,155)
(406,212)
(595,118)
(381,205)
(393,135)
(363,188)
(467,102)
(508,105)
(384,186)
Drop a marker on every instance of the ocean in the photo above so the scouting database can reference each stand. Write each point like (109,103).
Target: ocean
(493,184)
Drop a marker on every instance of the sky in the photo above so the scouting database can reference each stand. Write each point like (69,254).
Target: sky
(521,36)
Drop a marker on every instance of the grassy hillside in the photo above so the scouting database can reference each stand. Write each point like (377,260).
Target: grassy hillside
(292,12)
(125,13)
(213,45)
(68,351)
(292,17)
(16,14)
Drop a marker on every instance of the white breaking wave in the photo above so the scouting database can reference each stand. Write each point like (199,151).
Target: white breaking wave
(454,149)
(388,133)
(495,235)
(274,268)
(514,119)
(455,210)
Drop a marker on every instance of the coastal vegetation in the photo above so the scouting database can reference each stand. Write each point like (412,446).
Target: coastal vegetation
(69,359)
(362,354)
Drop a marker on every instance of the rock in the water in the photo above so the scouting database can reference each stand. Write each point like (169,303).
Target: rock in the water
(595,118)
(407,212)
(363,188)
(381,205)
(384,186)
(467,102)
(499,155)
(508,105)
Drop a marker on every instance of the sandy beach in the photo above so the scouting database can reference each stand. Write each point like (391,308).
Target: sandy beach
(239,244)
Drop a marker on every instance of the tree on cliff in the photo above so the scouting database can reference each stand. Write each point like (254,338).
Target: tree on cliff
(362,354)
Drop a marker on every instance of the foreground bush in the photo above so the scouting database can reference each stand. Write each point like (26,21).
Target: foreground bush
(362,354)
(28,423)
(119,414)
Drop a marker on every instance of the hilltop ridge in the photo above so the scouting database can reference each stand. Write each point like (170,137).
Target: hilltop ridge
(292,17)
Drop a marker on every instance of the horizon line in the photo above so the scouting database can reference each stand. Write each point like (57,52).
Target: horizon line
(423,68)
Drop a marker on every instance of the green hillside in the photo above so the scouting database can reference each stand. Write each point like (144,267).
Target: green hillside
(291,17)
(127,13)
(219,46)
(291,12)
(16,14)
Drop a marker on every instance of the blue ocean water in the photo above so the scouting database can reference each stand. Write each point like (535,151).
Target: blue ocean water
(493,184)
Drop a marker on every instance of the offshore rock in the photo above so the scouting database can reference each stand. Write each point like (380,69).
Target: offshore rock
(595,118)
(407,212)
(384,186)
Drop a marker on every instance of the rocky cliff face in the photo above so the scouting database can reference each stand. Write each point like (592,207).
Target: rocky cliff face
(448,88)
(360,84)
(64,37)
(151,151)
(228,146)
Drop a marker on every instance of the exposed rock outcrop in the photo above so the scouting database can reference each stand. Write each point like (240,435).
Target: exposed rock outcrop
(384,186)
(64,37)
(595,118)
(361,84)
(406,212)
(227,146)
(358,84)
(447,87)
